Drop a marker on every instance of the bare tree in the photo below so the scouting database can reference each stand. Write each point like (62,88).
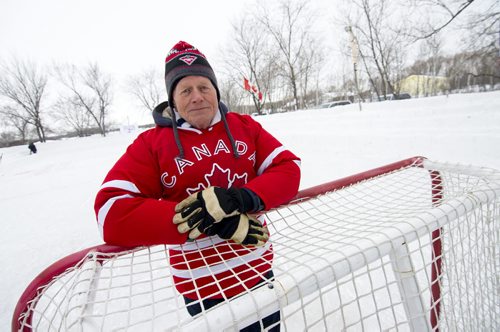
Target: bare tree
(444,13)
(89,89)
(271,82)
(368,71)
(477,22)
(309,63)
(430,50)
(6,137)
(483,26)
(11,117)
(100,84)
(23,84)
(247,57)
(231,93)
(70,111)
(381,43)
(147,88)
(291,32)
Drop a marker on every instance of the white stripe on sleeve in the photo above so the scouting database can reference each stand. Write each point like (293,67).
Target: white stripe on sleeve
(121,184)
(270,159)
(103,211)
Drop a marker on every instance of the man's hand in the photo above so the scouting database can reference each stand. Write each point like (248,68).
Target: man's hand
(243,229)
(203,209)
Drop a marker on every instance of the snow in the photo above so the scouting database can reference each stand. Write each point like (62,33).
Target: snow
(46,199)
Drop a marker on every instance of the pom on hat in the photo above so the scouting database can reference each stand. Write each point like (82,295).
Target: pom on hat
(186,60)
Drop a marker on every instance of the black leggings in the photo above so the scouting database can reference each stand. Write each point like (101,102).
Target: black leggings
(195,308)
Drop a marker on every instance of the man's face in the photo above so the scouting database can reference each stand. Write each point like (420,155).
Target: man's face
(195,99)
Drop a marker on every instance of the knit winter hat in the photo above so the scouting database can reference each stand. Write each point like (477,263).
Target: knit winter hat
(186,60)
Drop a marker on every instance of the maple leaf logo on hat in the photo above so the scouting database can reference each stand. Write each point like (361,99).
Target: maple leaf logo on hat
(188,59)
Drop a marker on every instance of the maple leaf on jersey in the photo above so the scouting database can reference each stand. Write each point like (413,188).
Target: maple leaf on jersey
(219,177)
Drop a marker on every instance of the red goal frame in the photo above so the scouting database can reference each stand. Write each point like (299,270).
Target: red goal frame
(44,278)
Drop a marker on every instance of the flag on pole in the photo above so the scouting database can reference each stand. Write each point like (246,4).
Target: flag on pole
(252,89)
(246,84)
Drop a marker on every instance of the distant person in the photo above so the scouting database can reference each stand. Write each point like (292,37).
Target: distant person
(197,181)
(32,147)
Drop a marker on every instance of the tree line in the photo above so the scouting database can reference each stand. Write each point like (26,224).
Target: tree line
(282,48)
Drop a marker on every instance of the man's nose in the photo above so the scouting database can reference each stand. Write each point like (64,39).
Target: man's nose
(196,95)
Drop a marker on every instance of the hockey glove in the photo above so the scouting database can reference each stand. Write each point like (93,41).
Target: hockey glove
(242,229)
(204,208)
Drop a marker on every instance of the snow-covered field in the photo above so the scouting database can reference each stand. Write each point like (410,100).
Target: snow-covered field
(46,200)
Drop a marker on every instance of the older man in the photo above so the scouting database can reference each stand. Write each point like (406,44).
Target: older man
(197,181)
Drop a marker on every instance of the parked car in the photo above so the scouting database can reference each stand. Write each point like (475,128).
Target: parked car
(335,103)
(401,96)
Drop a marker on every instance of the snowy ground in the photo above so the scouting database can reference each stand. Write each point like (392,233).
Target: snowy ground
(46,200)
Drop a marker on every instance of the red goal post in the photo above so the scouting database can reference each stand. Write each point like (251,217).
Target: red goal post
(410,245)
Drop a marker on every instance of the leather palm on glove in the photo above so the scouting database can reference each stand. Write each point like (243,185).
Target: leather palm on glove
(197,213)
(243,229)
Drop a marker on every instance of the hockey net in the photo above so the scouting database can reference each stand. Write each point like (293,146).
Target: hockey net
(413,245)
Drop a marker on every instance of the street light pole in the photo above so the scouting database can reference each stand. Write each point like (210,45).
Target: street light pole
(354,55)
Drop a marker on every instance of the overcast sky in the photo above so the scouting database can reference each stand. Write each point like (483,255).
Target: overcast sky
(123,36)
(118,34)
(126,37)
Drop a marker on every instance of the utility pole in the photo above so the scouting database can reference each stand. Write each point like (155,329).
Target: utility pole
(354,55)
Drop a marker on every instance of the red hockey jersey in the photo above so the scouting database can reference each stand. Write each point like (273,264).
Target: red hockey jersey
(135,204)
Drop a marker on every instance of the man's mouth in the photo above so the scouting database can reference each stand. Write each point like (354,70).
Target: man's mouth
(198,109)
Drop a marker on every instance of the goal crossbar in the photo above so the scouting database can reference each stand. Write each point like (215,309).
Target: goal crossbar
(412,245)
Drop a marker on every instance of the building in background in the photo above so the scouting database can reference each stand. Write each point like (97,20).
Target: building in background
(424,85)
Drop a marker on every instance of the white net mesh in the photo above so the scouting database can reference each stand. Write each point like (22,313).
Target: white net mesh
(360,258)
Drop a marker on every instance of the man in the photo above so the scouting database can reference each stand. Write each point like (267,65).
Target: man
(195,182)
(32,147)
